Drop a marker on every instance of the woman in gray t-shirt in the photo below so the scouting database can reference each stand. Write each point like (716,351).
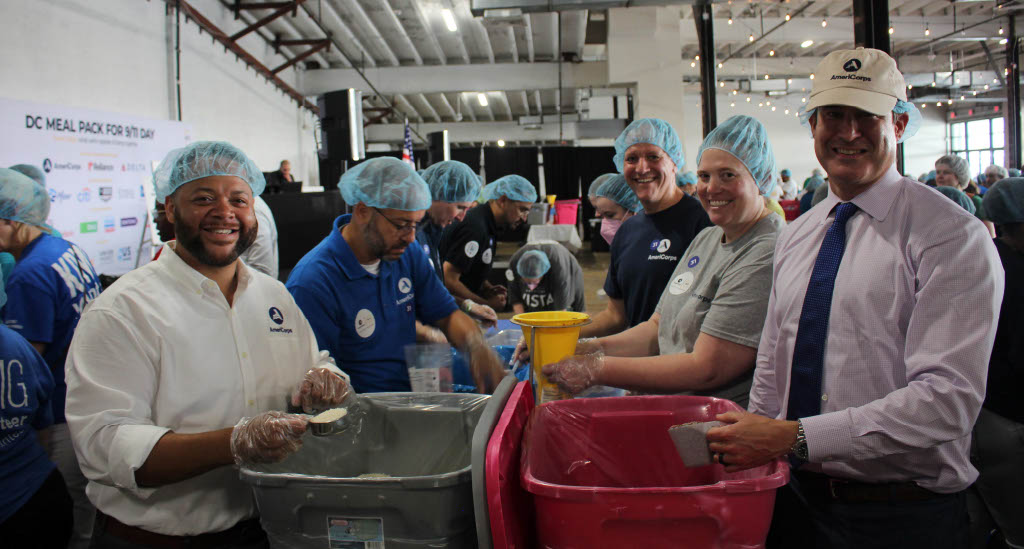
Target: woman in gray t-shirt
(704,333)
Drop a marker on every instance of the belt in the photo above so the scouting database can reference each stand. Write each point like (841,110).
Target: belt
(823,487)
(134,534)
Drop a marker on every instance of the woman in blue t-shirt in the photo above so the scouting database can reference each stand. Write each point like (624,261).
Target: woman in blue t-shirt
(50,285)
(35,509)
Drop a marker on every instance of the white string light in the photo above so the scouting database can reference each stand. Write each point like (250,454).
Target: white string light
(891,30)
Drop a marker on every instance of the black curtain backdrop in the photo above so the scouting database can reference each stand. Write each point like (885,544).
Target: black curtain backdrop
(569,169)
(469,156)
(502,161)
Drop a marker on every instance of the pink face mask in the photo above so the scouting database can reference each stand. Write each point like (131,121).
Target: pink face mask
(609,227)
(532,285)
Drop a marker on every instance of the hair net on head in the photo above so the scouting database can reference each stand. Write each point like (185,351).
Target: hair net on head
(600,180)
(649,130)
(959,167)
(815,182)
(203,159)
(1004,201)
(902,107)
(931,176)
(23,200)
(785,172)
(385,182)
(452,181)
(686,178)
(746,139)
(1000,171)
(1013,172)
(618,191)
(959,197)
(513,187)
(34,173)
(533,264)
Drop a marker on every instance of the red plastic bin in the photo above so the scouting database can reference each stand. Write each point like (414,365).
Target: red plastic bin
(565,211)
(791,209)
(603,472)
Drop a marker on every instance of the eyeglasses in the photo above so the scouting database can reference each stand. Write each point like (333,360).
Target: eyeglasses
(401,228)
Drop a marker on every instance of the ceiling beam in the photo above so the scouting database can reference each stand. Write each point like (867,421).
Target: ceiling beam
(411,108)
(512,43)
(337,23)
(389,14)
(428,30)
(375,33)
(508,106)
(528,37)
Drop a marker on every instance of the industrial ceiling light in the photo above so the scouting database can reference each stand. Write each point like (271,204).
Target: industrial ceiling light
(924,105)
(751,37)
(730,20)
(719,65)
(766,77)
(949,101)
(927,31)
(773,109)
(939,104)
(910,86)
(787,111)
(482,98)
(891,30)
(693,64)
(501,142)
(806,43)
(449,20)
(771,53)
(789,81)
(812,76)
(748,100)
(733,104)
(721,84)
(986,86)
(787,16)
(759,105)
(824,23)
(1002,42)
(803,99)
(1000,30)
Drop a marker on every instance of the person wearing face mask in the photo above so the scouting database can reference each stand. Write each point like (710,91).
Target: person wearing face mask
(703,335)
(647,246)
(544,276)
(614,203)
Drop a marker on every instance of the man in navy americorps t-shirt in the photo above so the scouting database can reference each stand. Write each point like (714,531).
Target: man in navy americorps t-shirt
(364,286)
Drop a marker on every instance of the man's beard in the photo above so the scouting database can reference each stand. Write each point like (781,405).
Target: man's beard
(194,245)
(377,245)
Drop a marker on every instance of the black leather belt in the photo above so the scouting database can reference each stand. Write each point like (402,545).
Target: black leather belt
(819,487)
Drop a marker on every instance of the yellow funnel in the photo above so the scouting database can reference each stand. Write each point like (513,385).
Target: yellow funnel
(551,199)
(552,336)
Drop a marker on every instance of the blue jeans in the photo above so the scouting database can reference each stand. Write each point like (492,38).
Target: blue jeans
(804,520)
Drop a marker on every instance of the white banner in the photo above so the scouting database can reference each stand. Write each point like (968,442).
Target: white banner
(98,171)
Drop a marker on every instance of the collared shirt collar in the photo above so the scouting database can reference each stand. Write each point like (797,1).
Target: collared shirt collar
(876,201)
(193,280)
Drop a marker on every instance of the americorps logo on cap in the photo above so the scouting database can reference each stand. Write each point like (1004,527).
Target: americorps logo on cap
(853,65)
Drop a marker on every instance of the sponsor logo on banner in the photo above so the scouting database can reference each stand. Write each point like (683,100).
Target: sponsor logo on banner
(49,165)
(85,194)
(126,193)
(109,225)
(129,221)
(133,167)
(86,227)
(124,254)
(101,167)
(57,197)
(106,256)
(106,193)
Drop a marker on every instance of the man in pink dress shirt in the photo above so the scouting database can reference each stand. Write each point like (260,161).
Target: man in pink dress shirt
(872,396)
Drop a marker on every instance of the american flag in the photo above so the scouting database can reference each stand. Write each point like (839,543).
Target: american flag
(407,147)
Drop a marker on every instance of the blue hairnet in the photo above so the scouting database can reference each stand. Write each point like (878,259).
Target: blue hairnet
(1012,172)
(34,173)
(931,176)
(203,159)
(22,199)
(649,130)
(385,182)
(7,262)
(686,178)
(786,172)
(1004,201)
(618,191)
(902,107)
(513,187)
(596,184)
(959,197)
(814,182)
(533,264)
(746,139)
(452,181)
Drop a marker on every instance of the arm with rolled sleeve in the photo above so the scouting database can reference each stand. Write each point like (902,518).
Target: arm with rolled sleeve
(959,288)
(112,378)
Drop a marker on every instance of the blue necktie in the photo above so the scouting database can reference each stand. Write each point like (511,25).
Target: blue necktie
(809,350)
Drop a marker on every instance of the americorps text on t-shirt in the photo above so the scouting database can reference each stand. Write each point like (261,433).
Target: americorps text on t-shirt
(68,266)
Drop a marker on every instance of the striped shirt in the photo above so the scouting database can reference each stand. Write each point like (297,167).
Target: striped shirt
(911,327)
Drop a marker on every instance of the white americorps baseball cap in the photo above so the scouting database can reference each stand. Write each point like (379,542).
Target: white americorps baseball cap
(863,78)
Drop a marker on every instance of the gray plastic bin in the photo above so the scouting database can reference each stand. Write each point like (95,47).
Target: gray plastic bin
(421,441)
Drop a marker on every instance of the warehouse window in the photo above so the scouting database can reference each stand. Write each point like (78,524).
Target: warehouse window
(979,141)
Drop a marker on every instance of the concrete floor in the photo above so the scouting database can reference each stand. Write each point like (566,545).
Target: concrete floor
(594,264)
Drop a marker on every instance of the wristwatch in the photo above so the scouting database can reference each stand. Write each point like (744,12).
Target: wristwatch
(799,448)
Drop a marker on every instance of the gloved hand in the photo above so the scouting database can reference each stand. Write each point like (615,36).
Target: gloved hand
(575,373)
(585,346)
(321,389)
(481,312)
(267,438)
(430,334)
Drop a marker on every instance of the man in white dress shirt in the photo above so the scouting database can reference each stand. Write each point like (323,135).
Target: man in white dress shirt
(176,369)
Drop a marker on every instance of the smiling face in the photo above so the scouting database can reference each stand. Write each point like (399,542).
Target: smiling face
(650,173)
(728,192)
(855,147)
(213,219)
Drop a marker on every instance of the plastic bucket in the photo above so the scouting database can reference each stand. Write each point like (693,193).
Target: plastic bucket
(552,336)
(565,212)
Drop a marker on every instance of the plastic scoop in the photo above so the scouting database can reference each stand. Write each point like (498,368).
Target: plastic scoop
(336,420)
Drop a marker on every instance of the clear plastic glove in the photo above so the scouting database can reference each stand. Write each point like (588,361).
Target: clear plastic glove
(482,313)
(430,334)
(267,438)
(576,373)
(320,390)
(585,346)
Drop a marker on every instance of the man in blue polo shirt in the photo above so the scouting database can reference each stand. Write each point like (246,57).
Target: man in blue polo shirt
(363,287)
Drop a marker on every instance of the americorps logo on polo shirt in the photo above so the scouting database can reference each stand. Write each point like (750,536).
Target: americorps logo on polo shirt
(277,318)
